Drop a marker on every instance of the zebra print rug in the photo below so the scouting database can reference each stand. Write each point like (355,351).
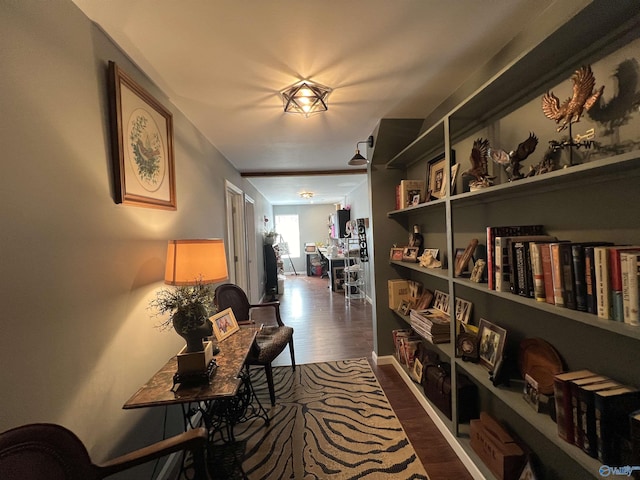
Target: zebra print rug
(331,421)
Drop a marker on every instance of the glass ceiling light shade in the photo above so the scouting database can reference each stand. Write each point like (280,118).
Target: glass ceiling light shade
(306,195)
(306,98)
(359,159)
(195,261)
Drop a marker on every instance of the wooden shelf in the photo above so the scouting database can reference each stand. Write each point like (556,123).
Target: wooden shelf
(436,272)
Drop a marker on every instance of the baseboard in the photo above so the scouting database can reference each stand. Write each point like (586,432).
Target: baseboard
(442,427)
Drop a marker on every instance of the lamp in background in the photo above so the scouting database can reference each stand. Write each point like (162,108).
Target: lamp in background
(306,195)
(191,266)
(359,159)
(306,98)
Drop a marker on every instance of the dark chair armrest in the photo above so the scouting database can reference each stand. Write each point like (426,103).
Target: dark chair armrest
(274,305)
(193,440)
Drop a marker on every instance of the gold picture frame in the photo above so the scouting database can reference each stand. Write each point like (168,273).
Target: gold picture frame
(142,145)
(224,324)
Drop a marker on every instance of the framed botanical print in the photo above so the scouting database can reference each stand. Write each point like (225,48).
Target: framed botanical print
(142,145)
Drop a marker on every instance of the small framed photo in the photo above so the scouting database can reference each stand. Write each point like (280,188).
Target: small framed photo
(436,175)
(142,145)
(396,254)
(454,175)
(463,257)
(405,306)
(463,310)
(416,373)
(491,339)
(530,392)
(410,254)
(224,324)
(415,200)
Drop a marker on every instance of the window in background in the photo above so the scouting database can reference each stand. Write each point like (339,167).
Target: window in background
(288,228)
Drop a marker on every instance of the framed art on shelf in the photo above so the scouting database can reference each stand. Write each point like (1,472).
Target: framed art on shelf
(224,324)
(436,175)
(142,145)
(410,254)
(463,310)
(491,340)
(396,253)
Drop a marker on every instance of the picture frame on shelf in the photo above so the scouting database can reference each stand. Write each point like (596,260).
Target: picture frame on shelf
(224,324)
(467,346)
(463,310)
(410,254)
(454,175)
(417,370)
(415,200)
(491,340)
(405,306)
(441,301)
(424,301)
(463,257)
(142,145)
(436,176)
(396,253)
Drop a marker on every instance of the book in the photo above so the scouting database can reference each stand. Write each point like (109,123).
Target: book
(562,398)
(612,409)
(556,275)
(576,414)
(586,397)
(493,232)
(615,281)
(582,274)
(547,272)
(568,278)
(537,271)
(601,284)
(503,259)
(629,263)
(590,279)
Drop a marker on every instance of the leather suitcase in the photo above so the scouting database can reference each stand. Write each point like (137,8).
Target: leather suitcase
(436,382)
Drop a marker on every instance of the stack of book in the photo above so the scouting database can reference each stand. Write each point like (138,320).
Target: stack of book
(431,324)
(595,277)
(592,413)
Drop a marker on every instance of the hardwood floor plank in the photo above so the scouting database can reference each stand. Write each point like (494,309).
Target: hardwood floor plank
(328,328)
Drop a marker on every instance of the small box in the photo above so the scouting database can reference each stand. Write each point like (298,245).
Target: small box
(398,291)
(500,453)
(195,362)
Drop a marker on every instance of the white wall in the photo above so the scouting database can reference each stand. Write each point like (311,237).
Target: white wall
(78,270)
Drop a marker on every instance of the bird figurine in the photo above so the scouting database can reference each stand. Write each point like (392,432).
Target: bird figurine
(524,149)
(582,100)
(478,169)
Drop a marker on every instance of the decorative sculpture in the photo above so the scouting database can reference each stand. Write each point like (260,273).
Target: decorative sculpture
(582,100)
(478,168)
(511,161)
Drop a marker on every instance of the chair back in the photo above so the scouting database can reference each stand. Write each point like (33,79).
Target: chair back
(44,451)
(232,296)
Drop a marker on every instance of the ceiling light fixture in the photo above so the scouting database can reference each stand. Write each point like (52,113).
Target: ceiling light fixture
(306,195)
(359,159)
(305,98)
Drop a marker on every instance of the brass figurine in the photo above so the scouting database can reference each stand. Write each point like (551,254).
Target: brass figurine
(582,100)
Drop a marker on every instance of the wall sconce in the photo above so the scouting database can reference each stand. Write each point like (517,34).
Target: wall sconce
(359,159)
(305,98)
(306,195)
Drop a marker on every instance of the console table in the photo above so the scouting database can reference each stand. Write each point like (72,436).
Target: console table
(227,400)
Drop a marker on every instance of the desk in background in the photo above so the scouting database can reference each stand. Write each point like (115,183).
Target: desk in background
(336,272)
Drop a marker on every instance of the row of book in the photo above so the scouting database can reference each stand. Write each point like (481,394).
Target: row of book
(406,344)
(597,414)
(595,277)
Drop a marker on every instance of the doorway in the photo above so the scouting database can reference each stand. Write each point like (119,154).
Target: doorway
(236,233)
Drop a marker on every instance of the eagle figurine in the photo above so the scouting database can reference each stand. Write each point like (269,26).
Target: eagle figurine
(582,100)
(478,159)
(524,149)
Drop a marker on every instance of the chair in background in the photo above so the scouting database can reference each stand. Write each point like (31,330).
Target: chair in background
(272,338)
(45,451)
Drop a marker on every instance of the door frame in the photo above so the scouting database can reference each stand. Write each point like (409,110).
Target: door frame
(236,235)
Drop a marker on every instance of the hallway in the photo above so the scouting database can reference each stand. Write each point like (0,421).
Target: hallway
(325,328)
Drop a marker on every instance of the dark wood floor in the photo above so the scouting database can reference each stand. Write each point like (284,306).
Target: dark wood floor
(327,328)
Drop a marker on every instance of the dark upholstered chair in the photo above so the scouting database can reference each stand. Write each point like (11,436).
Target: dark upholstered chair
(45,451)
(271,340)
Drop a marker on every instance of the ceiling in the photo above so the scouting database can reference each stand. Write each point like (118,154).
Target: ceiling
(222,63)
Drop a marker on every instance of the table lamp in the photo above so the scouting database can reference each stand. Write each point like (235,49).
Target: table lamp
(195,262)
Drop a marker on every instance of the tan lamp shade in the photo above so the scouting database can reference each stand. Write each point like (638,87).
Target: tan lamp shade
(192,261)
